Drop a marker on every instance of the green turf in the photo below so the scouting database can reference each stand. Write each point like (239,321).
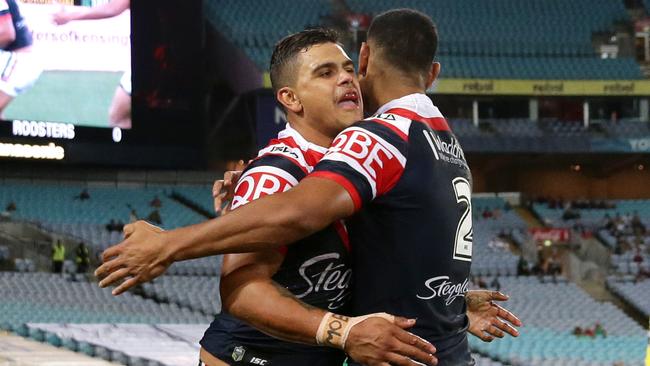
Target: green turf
(79,97)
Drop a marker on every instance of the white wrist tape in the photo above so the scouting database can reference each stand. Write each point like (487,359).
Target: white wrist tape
(334,329)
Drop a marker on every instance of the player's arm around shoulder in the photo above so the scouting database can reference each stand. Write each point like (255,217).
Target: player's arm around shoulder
(249,293)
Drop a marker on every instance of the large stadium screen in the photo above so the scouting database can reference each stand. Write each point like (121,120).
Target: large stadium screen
(65,82)
(85,64)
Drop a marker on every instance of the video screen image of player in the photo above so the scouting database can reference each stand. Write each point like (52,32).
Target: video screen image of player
(70,62)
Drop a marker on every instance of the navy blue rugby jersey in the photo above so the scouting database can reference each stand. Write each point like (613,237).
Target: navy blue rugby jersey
(315,269)
(23,34)
(412,235)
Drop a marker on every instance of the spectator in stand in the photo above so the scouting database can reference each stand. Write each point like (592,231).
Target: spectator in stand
(83,195)
(627,219)
(570,214)
(133,214)
(111,226)
(154,216)
(487,213)
(618,220)
(496,214)
(623,243)
(577,331)
(507,207)
(495,284)
(638,255)
(11,206)
(600,331)
(579,227)
(637,225)
(523,267)
(155,202)
(58,256)
(498,244)
(82,258)
(608,223)
(114,225)
(554,267)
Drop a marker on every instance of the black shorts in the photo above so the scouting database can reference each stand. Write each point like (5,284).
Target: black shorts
(234,352)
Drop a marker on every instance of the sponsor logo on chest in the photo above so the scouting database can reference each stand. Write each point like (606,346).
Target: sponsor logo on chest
(326,274)
(450,152)
(441,287)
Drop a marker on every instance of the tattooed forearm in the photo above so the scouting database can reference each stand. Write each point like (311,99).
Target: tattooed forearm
(286,293)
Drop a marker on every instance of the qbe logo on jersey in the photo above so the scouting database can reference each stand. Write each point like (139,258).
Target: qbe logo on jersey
(259,182)
(368,154)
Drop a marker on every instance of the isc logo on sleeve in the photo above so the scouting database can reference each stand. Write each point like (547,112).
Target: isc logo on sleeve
(259,182)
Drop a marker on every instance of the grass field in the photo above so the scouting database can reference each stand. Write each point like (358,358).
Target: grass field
(78,97)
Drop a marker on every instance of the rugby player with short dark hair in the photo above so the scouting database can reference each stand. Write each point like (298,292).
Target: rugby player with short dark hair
(400,176)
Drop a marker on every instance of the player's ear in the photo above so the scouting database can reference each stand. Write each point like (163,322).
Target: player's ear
(433,73)
(288,98)
(364,53)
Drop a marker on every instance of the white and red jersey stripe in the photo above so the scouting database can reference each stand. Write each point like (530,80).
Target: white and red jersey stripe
(278,167)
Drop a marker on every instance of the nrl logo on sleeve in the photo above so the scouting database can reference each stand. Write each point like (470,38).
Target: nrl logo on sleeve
(238,353)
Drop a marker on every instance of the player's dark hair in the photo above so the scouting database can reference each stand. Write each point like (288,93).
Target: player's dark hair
(286,50)
(407,39)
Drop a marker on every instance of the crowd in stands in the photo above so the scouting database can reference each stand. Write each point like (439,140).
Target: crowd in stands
(597,331)
(114,225)
(631,235)
(83,195)
(555,203)
(628,224)
(571,208)
(81,257)
(482,284)
(153,216)
(491,212)
(550,265)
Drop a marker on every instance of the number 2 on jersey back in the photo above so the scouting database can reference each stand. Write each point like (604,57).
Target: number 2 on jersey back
(464,231)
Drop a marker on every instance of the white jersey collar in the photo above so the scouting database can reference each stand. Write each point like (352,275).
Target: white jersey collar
(417,102)
(303,144)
